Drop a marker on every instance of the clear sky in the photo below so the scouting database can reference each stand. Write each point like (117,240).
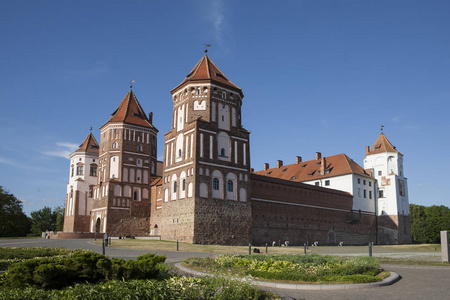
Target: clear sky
(318,76)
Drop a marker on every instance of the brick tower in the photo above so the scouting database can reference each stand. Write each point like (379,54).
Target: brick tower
(82,179)
(206,172)
(127,162)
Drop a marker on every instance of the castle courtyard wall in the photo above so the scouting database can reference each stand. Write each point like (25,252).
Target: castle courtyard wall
(299,213)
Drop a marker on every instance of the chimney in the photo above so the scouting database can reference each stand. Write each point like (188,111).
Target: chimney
(298,160)
(150,117)
(266,166)
(279,163)
(367,149)
(318,155)
(323,166)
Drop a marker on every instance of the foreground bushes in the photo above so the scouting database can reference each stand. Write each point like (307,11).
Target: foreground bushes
(87,275)
(9,256)
(303,268)
(82,266)
(173,288)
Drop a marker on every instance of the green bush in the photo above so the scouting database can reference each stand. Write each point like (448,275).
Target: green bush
(174,288)
(82,266)
(26,253)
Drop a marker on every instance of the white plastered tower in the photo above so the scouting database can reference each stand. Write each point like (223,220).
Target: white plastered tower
(386,165)
(82,179)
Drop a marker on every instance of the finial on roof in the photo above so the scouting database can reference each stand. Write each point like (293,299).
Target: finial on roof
(206,47)
(382,128)
(131,84)
(91,129)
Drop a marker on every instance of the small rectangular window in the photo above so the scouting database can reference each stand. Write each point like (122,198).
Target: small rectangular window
(317,183)
(327,182)
(380,173)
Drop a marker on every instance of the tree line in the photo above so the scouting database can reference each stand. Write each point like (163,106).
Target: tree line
(15,223)
(427,222)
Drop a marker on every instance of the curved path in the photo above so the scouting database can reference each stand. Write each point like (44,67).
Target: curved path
(418,282)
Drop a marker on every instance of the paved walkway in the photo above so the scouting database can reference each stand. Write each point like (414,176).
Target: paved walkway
(418,282)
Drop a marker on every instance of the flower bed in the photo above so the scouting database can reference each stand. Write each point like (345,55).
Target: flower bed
(312,268)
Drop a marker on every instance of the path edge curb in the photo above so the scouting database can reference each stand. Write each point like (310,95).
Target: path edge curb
(391,279)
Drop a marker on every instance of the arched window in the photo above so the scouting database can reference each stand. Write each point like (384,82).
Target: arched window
(179,152)
(222,152)
(215,184)
(198,91)
(115,145)
(183,185)
(230,185)
(174,186)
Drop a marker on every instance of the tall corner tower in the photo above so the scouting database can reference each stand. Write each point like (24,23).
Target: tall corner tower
(82,179)
(127,163)
(206,172)
(386,164)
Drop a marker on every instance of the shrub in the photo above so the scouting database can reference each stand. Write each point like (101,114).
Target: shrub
(82,266)
(26,253)
(174,288)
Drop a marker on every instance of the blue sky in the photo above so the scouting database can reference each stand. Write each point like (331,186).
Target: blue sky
(318,76)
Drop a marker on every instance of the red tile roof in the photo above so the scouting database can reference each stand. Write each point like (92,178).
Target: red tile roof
(156,181)
(206,70)
(89,145)
(335,165)
(130,111)
(382,145)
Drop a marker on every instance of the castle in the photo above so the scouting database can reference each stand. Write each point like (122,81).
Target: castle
(205,192)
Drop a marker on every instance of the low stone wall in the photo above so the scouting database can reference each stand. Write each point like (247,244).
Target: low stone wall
(75,235)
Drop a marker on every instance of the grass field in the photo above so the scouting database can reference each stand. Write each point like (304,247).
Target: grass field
(415,254)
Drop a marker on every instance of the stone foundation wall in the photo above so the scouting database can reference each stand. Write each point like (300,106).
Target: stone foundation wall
(121,223)
(222,222)
(394,229)
(175,220)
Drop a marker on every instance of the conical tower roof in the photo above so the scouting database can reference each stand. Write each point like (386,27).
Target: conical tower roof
(130,112)
(206,70)
(382,145)
(89,145)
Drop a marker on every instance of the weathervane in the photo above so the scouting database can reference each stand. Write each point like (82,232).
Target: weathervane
(91,129)
(131,84)
(206,47)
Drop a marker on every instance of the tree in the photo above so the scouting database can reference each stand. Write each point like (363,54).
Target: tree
(59,211)
(13,222)
(428,222)
(42,220)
